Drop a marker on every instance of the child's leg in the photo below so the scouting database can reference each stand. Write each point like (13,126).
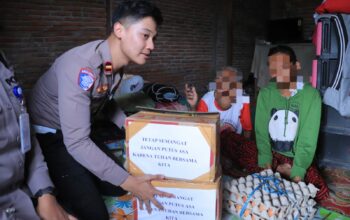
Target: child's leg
(248,157)
(279,159)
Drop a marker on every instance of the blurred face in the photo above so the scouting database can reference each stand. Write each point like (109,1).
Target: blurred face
(137,39)
(226,89)
(224,101)
(284,70)
(279,65)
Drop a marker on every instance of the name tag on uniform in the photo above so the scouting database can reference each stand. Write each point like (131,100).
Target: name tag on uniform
(24,127)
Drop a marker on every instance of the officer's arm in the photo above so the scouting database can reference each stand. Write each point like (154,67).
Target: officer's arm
(74,112)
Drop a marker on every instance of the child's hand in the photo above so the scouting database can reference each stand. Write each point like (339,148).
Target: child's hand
(297,179)
(284,169)
(268,166)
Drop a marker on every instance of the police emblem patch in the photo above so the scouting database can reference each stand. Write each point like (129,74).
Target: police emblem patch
(86,79)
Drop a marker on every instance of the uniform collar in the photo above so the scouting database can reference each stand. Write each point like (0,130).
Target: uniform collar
(103,55)
(106,58)
(104,51)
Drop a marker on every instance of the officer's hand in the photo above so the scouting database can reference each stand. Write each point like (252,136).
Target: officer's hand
(49,209)
(141,187)
(191,96)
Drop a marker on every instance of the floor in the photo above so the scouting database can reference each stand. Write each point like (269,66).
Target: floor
(338,180)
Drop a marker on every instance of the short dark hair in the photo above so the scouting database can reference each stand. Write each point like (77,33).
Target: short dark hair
(137,10)
(283,49)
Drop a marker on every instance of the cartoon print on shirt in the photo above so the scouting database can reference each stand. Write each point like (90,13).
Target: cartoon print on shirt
(283,126)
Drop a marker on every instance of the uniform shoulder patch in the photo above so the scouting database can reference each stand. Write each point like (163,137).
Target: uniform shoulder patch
(86,79)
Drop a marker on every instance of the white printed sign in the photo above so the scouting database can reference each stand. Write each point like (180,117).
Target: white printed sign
(175,151)
(189,204)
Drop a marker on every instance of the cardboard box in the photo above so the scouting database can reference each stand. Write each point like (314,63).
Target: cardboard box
(193,201)
(179,146)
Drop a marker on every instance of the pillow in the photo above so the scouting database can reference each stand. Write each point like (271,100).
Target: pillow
(334,6)
(130,85)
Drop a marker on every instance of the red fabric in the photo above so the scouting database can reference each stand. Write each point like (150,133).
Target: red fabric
(244,153)
(334,6)
(202,106)
(240,151)
(245,118)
